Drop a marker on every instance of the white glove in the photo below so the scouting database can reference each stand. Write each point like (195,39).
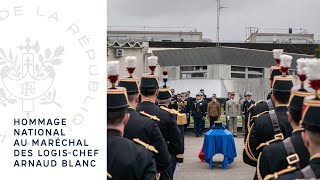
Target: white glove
(238,117)
(178,166)
(228,117)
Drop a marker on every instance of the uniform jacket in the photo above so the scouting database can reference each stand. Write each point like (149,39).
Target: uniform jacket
(233,108)
(182,106)
(214,109)
(173,105)
(148,131)
(168,127)
(262,130)
(128,160)
(254,110)
(198,109)
(246,105)
(273,157)
(314,165)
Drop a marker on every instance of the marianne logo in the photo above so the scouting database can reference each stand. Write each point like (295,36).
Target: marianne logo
(27,73)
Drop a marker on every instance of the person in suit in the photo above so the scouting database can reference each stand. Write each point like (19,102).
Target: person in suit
(233,112)
(291,151)
(149,89)
(142,127)
(123,154)
(274,125)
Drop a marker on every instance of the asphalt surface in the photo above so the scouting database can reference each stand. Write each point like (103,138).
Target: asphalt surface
(194,169)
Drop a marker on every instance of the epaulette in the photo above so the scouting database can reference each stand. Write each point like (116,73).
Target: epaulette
(150,116)
(277,137)
(180,156)
(171,111)
(259,114)
(147,146)
(282,172)
(109,175)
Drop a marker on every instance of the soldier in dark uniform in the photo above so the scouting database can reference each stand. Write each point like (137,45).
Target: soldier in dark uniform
(125,159)
(188,109)
(142,127)
(204,117)
(271,126)
(173,104)
(253,111)
(182,117)
(149,89)
(291,151)
(197,112)
(311,138)
(246,105)
(203,94)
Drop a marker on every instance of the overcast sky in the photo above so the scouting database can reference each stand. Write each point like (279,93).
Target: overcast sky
(202,15)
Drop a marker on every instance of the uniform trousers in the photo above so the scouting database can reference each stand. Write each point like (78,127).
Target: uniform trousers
(233,125)
(197,126)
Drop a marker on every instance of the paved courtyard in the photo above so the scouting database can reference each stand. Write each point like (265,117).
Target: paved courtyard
(194,169)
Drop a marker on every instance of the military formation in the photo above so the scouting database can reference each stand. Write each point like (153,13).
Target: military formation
(144,135)
(146,123)
(282,139)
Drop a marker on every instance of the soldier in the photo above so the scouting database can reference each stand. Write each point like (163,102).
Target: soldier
(142,127)
(224,110)
(202,92)
(291,151)
(173,104)
(182,118)
(205,102)
(197,112)
(272,125)
(311,138)
(254,110)
(246,105)
(233,112)
(149,89)
(188,109)
(137,162)
(164,100)
(310,123)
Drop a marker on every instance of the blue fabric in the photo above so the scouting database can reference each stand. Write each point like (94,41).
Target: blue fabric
(219,140)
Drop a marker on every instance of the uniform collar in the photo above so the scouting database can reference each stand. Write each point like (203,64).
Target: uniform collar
(113,132)
(297,131)
(281,107)
(315,159)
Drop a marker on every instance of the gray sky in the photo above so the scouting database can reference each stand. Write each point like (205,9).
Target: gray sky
(201,14)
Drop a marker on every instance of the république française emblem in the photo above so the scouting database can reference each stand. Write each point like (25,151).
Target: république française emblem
(28,76)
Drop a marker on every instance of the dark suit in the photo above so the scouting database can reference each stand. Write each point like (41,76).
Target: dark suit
(128,160)
(314,165)
(273,157)
(263,131)
(170,132)
(147,130)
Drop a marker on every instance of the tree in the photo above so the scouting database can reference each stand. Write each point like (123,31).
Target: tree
(317,52)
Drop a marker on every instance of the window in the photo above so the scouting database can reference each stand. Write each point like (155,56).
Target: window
(193,72)
(246,72)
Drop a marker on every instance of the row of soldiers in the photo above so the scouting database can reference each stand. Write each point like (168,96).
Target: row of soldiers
(283,133)
(144,141)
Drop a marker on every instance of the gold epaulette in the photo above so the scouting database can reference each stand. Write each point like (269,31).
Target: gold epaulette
(282,172)
(277,137)
(150,116)
(109,175)
(147,146)
(259,114)
(251,106)
(180,156)
(171,111)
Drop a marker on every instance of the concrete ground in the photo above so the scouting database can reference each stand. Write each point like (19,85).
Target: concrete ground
(194,169)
